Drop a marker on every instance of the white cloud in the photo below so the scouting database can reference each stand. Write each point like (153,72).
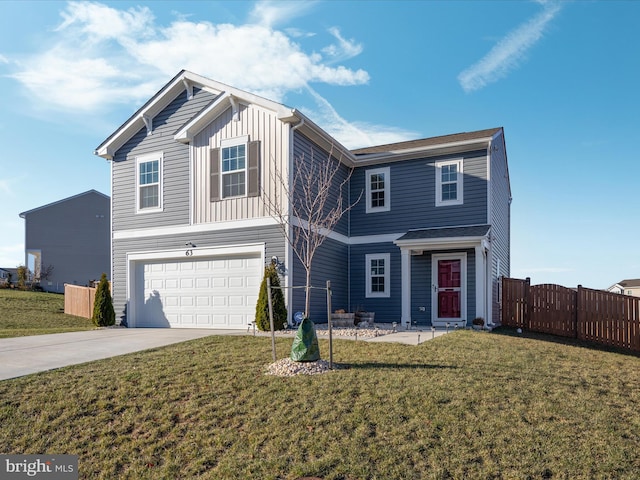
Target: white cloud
(344,49)
(269,13)
(508,52)
(3,59)
(92,62)
(354,134)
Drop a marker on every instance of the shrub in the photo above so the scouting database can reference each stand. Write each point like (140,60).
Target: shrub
(103,313)
(23,274)
(277,299)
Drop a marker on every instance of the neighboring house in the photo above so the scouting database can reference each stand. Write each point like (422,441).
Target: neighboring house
(68,241)
(626,287)
(5,273)
(192,232)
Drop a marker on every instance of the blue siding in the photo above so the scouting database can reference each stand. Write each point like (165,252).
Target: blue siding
(308,151)
(422,284)
(329,263)
(389,309)
(413,193)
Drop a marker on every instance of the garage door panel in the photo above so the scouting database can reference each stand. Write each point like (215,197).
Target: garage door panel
(203,293)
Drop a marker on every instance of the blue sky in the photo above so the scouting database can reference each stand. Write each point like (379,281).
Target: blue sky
(561,77)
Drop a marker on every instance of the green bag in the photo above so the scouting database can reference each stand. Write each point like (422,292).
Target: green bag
(305,344)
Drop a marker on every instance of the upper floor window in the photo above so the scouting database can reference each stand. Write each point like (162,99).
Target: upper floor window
(449,183)
(378,191)
(378,270)
(234,169)
(149,183)
(234,164)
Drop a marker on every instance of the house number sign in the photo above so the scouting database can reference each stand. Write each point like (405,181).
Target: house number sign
(189,253)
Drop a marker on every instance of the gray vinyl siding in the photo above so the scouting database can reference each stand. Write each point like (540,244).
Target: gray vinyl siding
(388,309)
(271,235)
(73,237)
(413,194)
(500,221)
(421,286)
(175,167)
(329,263)
(304,148)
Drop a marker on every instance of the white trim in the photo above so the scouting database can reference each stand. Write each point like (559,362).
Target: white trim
(481,282)
(187,229)
(229,143)
(386,173)
(489,186)
(435,321)
(405,256)
(247,223)
(382,238)
(150,157)
(232,142)
(459,182)
(387,269)
(134,257)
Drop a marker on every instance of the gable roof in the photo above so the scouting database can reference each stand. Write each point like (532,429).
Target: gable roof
(88,192)
(630,283)
(227,96)
(186,80)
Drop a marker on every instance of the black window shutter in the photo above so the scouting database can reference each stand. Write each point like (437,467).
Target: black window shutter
(214,175)
(253,170)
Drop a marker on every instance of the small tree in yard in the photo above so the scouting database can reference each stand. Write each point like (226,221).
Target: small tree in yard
(103,313)
(311,205)
(277,301)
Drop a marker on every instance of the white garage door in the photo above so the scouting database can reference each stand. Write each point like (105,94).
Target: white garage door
(217,292)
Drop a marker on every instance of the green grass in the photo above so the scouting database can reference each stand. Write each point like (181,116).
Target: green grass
(465,405)
(36,313)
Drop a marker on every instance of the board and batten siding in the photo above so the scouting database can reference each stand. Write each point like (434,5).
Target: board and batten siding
(271,236)
(500,221)
(259,124)
(413,197)
(175,167)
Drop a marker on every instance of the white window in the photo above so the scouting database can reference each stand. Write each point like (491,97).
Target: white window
(377,270)
(149,183)
(378,190)
(233,155)
(449,183)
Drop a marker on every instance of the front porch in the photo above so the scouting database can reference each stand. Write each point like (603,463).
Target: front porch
(445,276)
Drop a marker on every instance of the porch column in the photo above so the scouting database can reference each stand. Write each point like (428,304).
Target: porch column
(406,287)
(480,282)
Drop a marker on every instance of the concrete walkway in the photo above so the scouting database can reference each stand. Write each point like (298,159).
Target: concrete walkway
(25,355)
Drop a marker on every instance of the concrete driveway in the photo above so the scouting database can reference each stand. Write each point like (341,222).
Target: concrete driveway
(24,355)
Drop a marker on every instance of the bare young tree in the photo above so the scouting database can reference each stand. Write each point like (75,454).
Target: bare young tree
(310,206)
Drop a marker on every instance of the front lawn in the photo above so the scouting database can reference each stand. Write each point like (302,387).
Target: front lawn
(36,313)
(465,405)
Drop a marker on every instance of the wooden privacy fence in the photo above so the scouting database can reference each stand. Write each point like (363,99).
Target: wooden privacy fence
(79,301)
(594,315)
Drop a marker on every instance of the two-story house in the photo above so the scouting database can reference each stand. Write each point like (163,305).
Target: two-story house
(67,241)
(196,168)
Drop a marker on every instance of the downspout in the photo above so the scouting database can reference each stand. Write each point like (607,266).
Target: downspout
(288,257)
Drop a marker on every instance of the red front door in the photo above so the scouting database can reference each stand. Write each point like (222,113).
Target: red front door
(449,288)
